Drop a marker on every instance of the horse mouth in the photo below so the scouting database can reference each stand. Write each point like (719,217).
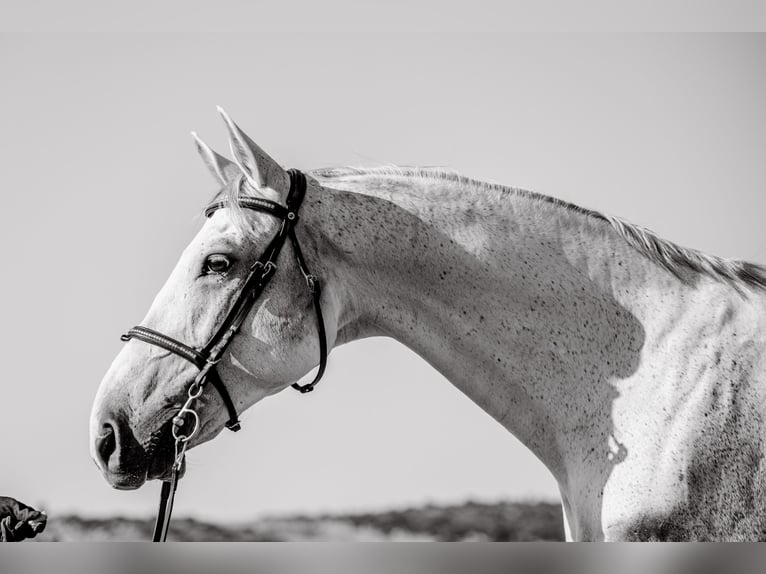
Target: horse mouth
(151,460)
(161,454)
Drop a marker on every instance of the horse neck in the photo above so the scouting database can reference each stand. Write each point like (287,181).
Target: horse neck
(531,309)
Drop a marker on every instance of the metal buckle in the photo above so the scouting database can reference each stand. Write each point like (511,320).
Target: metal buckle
(180,448)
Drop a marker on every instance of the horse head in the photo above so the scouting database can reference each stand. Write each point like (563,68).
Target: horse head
(275,343)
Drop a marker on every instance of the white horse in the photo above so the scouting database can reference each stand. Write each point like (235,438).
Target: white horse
(632,367)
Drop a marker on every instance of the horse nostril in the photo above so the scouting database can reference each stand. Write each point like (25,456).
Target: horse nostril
(106,444)
(117,453)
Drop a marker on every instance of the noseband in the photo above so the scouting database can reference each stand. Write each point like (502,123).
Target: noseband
(207,357)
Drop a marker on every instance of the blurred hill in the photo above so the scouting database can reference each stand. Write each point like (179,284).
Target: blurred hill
(505,521)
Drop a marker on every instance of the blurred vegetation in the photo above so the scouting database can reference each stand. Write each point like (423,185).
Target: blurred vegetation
(505,521)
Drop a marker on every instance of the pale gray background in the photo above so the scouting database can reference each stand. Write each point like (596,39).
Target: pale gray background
(102,189)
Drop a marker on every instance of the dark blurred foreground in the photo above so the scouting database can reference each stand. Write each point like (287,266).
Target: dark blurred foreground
(376,558)
(471,521)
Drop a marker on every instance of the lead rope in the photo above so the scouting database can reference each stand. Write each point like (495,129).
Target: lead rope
(169,487)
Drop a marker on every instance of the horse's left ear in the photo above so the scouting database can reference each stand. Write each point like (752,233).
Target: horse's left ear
(261,171)
(223,170)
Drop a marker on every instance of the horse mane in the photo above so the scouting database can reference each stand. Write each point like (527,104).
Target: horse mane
(666,254)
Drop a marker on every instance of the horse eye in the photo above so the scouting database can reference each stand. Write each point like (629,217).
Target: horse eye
(217,263)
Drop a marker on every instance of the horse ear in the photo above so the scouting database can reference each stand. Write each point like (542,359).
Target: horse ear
(221,168)
(261,171)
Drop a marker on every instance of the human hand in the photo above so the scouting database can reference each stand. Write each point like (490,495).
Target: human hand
(19,521)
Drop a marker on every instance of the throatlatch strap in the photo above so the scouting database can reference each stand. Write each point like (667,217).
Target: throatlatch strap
(316,293)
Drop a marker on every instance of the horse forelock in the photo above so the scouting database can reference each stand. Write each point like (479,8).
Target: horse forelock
(672,257)
(231,194)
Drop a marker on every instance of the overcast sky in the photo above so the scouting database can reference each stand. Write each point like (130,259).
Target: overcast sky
(102,189)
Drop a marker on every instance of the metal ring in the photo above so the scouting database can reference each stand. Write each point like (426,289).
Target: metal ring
(182,438)
(194,395)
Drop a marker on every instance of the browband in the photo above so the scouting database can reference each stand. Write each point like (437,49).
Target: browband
(255,203)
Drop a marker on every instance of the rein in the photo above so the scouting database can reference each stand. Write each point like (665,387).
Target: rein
(207,357)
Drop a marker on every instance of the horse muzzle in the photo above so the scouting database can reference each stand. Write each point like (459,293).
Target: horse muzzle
(128,463)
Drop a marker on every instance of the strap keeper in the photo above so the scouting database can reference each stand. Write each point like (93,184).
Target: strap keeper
(233,426)
(312,282)
(303,389)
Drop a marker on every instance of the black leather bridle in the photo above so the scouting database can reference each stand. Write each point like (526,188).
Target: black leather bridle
(207,357)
